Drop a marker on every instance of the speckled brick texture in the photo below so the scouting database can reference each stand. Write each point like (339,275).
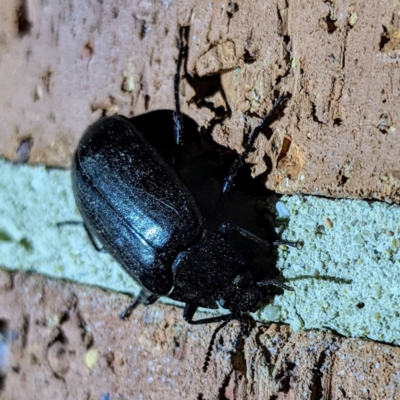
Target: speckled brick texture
(65,341)
(64,64)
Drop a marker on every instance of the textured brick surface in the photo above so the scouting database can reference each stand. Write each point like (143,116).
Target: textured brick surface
(64,64)
(65,341)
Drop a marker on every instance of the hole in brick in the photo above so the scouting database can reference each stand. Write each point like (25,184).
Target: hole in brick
(24,150)
(337,122)
(343,180)
(23,23)
(330,25)
(146,101)
(3,352)
(143,30)
(231,9)
(385,38)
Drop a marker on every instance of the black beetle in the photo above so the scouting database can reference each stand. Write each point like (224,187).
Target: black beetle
(133,200)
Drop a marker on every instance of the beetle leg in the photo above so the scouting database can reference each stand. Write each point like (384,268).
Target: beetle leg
(128,310)
(211,344)
(248,147)
(190,310)
(144,298)
(298,244)
(228,227)
(95,242)
(177,116)
(93,238)
(273,282)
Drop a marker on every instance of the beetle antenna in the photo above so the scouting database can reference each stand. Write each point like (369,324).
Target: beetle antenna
(177,116)
(144,298)
(211,345)
(275,283)
(249,146)
(298,244)
(128,310)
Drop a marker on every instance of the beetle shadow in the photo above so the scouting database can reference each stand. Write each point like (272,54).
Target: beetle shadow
(203,165)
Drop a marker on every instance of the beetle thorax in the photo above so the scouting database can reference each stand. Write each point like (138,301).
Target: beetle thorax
(212,273)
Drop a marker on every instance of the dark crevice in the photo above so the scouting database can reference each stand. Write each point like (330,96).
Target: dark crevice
(286,55)
(385,38)
(343,180)
(231,9)
(65,317)
(146,102)
(222,389)
(23,23)
(264,349)
(319,230)
(24,150)
(88,49)
(3,327)
(331,27)
(317,391)
(284,375)
(330,19)
(360,305)
(251,51)
(110,359)
(279,78)
(314,113)
(46,79)
(143,30)
(25,330)
(86,336)
(384,123)
(269,167)
(16,369)
(115,12)
(337,122)
(249,58)
(4,337)
(141,25)
(59,338)
(72,305)
(281,22)
(285,148)
(238,359)
(286,39)
(342,79)
(332,58)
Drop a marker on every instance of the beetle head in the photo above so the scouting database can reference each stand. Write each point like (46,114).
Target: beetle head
(241,295)
(245,294)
